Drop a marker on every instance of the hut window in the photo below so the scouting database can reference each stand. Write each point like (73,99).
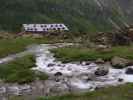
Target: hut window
(31,29)
(56,25)
(51,25)
(35,29)
(60,25)
(44,29)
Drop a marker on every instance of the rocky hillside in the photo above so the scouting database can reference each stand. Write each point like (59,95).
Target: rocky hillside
(79,15)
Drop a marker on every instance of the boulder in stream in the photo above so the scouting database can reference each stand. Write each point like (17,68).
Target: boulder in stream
(101,71)
(120,80)
(58,74)
(99,61)
(119,62)
(85,63)
(59,89)
(51,65)
(129,71)
(86,77)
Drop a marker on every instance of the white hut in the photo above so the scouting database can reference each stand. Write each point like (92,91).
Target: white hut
(44,27)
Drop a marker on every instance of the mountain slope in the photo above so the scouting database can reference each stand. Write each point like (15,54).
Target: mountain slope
(78,15)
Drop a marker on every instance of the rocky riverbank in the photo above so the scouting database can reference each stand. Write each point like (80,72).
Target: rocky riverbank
(74,77)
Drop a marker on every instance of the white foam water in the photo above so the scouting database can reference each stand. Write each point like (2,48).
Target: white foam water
(46,62)
(45,57)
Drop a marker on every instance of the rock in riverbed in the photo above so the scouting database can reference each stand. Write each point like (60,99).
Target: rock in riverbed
(99,61)
(101,71)
(119,62)
(56,88)
(129,71)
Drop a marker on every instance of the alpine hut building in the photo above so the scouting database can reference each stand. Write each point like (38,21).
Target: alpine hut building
(44,28)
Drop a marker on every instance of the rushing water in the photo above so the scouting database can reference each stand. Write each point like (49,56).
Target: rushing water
(75,72)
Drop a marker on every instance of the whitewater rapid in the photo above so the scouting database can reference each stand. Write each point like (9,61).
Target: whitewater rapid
(77,73)
(46,62)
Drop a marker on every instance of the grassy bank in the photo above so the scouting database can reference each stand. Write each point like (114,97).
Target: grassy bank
(81,54)
(123,92)
(10,46)
(14,45)
(19,71)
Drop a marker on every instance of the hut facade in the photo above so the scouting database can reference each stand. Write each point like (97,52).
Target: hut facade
(44,27)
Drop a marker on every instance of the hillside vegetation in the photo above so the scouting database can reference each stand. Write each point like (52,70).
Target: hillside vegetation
(78,15)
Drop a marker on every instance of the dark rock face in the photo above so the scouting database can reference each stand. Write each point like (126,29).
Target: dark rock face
(102,71)
(129,71)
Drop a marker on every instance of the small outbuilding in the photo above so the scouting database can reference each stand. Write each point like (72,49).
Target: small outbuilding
(44,28)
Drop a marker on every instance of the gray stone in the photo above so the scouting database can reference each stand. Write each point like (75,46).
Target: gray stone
(58,74)
(86,77)
(120,80)
(53,88)
(101,71)
(119,62)
(99,61)
(86,63)
(59,89)
(129,71)
(50,65)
